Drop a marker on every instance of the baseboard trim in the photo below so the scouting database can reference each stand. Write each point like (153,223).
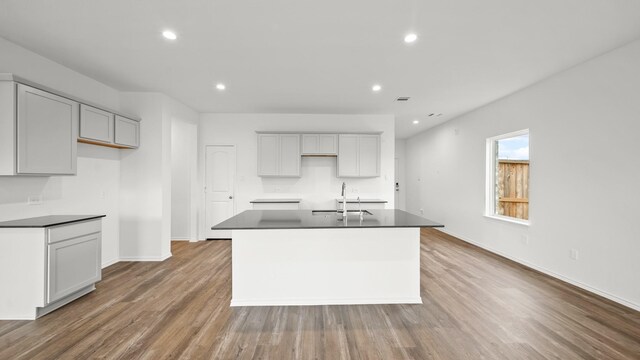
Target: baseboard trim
(110,262)
(145,258)
(315,302)
(555,275)
(180,238)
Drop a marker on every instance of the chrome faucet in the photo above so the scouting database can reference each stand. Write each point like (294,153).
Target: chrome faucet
(344,200)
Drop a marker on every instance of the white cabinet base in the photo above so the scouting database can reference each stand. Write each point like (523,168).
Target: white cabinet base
(27,272)
(325,266)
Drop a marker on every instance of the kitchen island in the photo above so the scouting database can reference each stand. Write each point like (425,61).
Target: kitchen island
(304,257)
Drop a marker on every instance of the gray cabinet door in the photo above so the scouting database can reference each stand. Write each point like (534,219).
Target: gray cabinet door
(327,144)
(268,154)
(127,132)
(72,265)
(290,155)
(96,124)
(47,130)
(310,144)
(348,152)
(369,155)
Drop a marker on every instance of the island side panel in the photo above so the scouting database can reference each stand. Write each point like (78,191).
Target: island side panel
(22,272)
(326,266)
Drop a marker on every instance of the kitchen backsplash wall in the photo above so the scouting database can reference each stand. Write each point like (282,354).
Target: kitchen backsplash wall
(318,186)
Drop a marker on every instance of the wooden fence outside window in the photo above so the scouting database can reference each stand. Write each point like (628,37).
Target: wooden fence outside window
(512,184)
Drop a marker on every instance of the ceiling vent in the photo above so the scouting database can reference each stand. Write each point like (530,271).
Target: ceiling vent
(403,98)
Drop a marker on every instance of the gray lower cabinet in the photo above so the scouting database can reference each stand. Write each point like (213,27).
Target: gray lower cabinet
(74,259)
(127,132)
(47,266)
(96,124)
(47,128)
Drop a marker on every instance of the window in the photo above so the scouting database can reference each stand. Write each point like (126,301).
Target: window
(508,177)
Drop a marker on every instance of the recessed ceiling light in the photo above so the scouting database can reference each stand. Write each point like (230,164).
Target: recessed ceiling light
(376,88)
(416,121)
(409,38)
(168,34)
(220,86)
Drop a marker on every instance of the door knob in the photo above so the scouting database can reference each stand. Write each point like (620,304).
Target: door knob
(230,197)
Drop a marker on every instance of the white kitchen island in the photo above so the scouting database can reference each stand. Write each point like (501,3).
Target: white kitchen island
(297,257)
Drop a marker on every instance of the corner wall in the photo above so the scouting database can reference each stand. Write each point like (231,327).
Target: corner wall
(584,191)
(145,201)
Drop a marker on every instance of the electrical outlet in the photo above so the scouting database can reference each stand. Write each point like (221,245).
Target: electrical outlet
(421,211)
(525,239)
(573,254)
(34,200)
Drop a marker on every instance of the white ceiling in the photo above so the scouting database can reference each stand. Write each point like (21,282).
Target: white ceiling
(323,56)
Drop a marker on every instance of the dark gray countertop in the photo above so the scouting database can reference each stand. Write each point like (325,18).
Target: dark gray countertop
(275,201)
(47,221)
(305,219)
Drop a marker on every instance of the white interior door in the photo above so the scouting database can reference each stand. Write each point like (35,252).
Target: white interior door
(220,176)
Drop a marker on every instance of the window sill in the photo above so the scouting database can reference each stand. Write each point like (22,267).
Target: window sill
(509,219)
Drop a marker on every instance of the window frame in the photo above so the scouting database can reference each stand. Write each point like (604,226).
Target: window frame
(490,186)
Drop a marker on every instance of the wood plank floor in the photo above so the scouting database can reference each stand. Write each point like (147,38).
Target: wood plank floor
(476,306)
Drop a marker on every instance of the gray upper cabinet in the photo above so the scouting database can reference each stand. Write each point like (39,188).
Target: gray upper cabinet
(127,132)
(96,124)
(268,154)
(279,155)
(290,155)
(319,144)
(358,155)
(47,128)
(369,155)
(348,156)
(40,129)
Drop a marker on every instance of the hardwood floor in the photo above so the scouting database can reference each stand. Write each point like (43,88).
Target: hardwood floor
(476,306)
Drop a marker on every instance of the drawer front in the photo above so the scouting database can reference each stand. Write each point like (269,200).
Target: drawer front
(68,232)
(96,124)
(72,265)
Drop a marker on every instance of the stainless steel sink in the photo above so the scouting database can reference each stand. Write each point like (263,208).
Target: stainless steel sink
(339,212)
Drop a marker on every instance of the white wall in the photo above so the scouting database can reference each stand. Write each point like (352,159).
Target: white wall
(318,186)
(401,158)
(145,202)
(184,165)
(95,189)
(177,113)
(584,195)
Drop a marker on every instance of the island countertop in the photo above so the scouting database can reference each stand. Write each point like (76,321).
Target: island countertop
(329,219)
